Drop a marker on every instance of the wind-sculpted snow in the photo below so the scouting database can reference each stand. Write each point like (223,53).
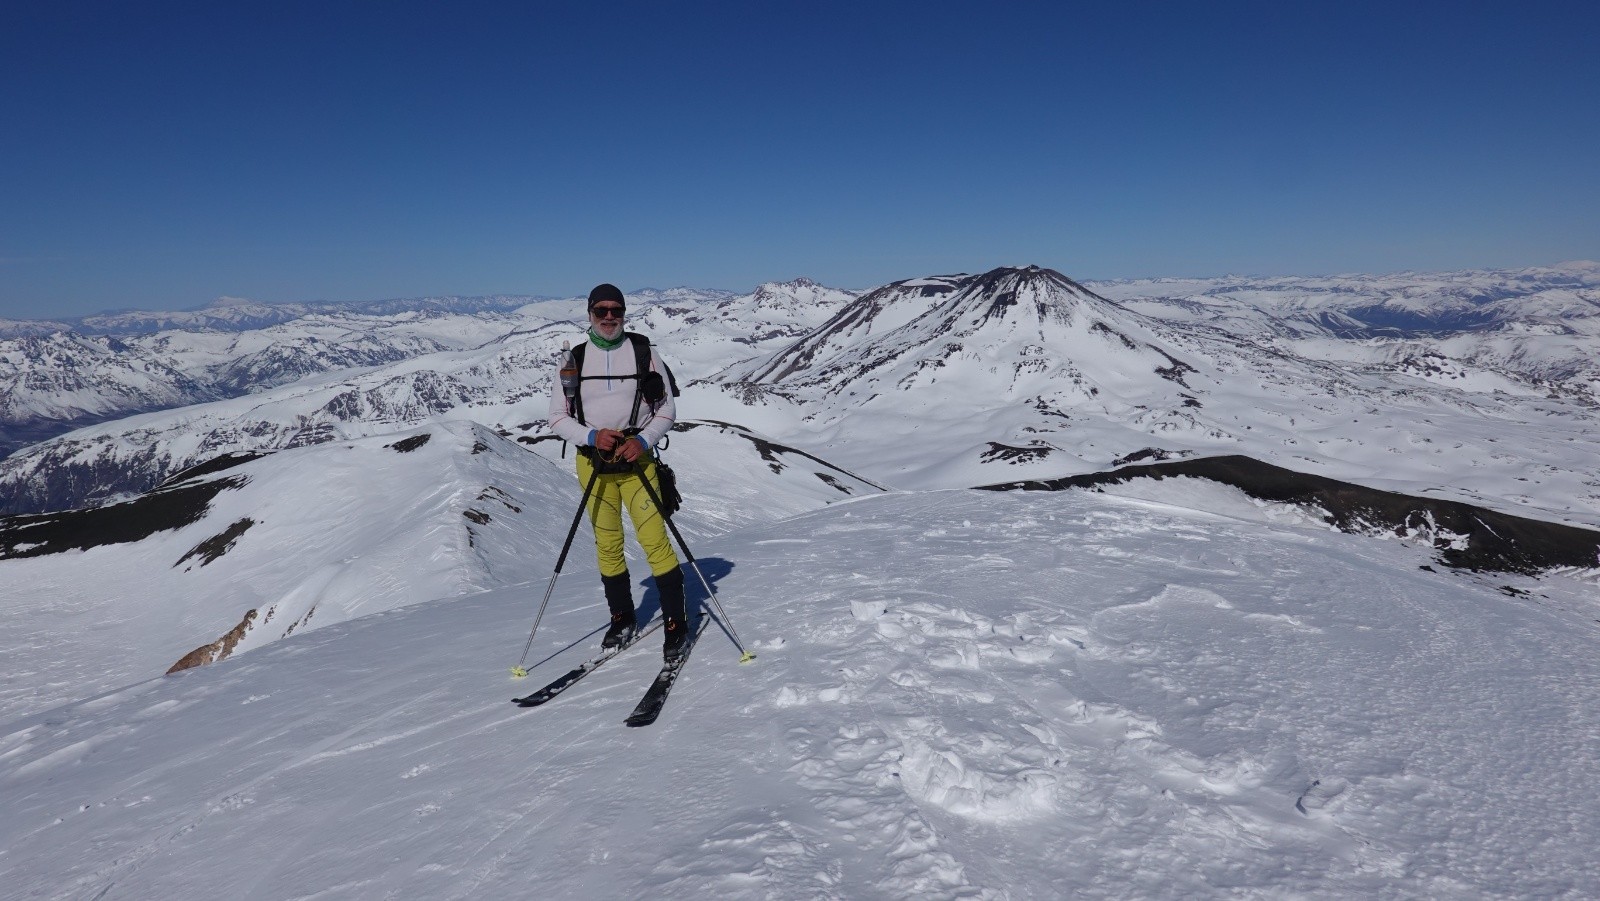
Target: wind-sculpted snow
(958,694)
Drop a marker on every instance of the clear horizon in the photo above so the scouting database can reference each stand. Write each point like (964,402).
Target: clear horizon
(630,291)
(164,156)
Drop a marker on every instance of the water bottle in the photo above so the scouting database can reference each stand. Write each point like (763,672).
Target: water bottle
(569,373)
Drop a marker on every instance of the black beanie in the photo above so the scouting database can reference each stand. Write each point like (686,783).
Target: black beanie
(606,292)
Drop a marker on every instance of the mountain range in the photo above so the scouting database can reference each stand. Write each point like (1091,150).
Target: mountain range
(1298,375)
(1281,587)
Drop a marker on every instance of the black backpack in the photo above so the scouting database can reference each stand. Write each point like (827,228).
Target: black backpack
(652,388)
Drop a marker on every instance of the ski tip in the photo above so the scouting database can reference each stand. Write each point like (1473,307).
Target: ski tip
(518,672)
(748,656)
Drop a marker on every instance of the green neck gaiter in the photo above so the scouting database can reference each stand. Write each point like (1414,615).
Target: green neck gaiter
(602,343)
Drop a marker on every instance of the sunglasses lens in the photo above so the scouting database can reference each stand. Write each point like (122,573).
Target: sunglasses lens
(608,312)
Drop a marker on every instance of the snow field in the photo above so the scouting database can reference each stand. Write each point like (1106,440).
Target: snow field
(345,529)
(958,694)
(336,531)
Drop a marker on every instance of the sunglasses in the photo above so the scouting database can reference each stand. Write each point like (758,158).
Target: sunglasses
(606,311)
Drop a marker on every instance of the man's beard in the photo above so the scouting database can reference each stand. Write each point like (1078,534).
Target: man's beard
(609,329)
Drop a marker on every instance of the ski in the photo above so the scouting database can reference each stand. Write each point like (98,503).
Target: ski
(656,697)
(588,666)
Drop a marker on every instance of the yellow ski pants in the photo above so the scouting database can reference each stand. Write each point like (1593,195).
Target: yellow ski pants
(611,492)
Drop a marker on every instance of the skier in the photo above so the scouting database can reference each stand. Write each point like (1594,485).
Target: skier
(597,403)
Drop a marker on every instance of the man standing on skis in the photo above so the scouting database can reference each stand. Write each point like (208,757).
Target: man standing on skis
(615,411)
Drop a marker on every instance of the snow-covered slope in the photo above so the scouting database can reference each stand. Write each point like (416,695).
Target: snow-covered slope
(55,376)
(312,536)
(734,477)
(958,694)
(133,454)
(1022,373)
(52,382)
(303,538)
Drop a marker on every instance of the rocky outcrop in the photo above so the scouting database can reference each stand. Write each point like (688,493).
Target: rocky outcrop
(34,535)
(1466,536)
(216,650)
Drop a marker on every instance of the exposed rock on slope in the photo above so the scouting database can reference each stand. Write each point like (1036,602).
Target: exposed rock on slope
(1465,535)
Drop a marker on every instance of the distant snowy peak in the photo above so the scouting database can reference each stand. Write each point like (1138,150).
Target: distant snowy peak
(1043,294)
(738,326)
(875,312)
(1004,331)
(801,290)
(234,314)
(1588,268)
(678,295)
(62,377)
(23,328)
(799,301)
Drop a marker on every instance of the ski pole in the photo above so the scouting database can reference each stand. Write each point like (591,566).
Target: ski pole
(518,671)
(745,655)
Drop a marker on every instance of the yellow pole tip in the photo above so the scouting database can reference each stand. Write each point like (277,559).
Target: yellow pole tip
(518,672)
(748,656)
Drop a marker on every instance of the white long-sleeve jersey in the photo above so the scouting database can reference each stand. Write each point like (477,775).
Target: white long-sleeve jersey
(608,401)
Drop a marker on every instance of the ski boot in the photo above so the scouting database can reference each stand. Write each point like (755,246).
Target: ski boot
(677,642)
(619,597)
(670,586)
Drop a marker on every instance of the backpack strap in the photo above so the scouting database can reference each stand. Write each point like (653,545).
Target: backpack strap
(641,364)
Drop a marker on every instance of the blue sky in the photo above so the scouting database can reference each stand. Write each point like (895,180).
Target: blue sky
(160,155)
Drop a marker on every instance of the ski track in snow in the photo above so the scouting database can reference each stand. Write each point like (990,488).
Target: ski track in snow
(958,695)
